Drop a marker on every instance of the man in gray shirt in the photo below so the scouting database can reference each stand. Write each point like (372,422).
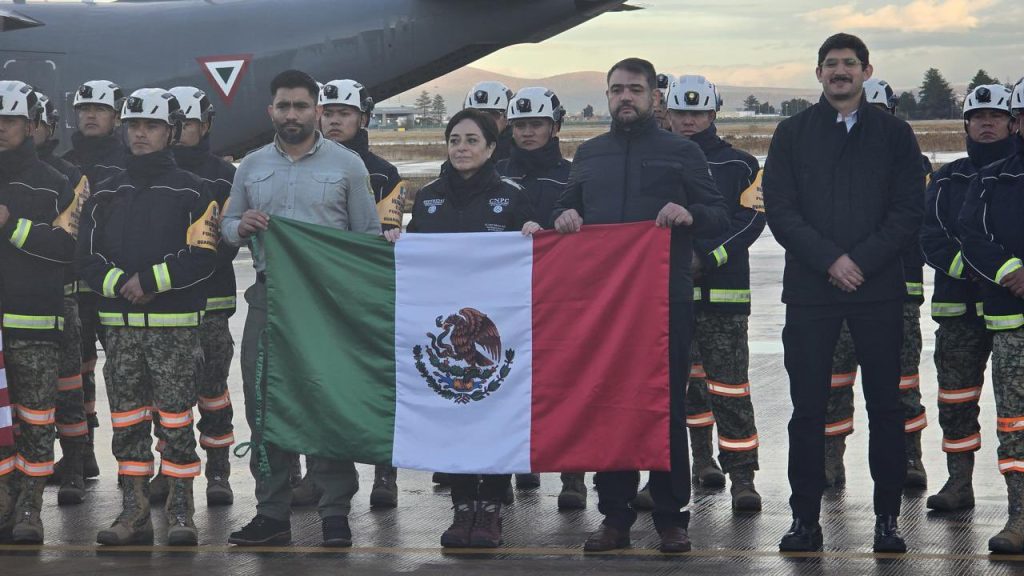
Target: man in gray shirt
(306,177)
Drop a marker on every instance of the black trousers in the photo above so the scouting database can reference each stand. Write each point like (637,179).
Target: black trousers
(669,490)
(470,487)
(809,338)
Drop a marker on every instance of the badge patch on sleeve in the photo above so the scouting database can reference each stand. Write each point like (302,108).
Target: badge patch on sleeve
(68,220)
(391,207)
(753,196)
(205,232)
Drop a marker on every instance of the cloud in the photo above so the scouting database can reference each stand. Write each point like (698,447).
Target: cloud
(917,16)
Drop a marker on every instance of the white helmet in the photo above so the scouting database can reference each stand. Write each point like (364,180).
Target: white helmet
(194,103)
(346,93)
(536,102)
(153,104)
(1017,99)
(991,96)
(48,113)
(488,96)
(19,99)
(102,92)
(879,92)
(665,82)
(693,93)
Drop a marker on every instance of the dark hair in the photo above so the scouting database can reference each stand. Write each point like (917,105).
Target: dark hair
(841,41)
(294,79)
(636,66)
(488,127)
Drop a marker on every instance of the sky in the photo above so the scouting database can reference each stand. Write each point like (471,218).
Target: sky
(775,43)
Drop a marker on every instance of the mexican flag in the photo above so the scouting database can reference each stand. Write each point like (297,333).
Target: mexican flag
(470,353)
(6,416)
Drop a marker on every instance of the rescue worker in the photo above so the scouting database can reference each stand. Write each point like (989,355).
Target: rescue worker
(149,238)
(72,425)
(303,176)
(843,185)
(839,415)
(667,179)
(719,388)
(993,246)
(216,432)
(493,98)
(98,150)
(962,343)
(536,164)
(665,82)
(470,196)
(36,208)
(347,111)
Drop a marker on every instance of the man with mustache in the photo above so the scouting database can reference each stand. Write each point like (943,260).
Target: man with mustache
(303,176)
(843,185)
(638,172)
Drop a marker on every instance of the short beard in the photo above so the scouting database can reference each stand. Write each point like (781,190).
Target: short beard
(293,138)
(630,123)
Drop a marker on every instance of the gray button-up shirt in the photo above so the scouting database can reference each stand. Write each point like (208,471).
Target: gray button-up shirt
(328,186)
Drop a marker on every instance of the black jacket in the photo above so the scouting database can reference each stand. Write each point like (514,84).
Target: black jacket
(725,263)
(828,193)
(956,291)
(503,148)
(160,222)
(98,157)
(913,258)
(630,174)
(36,245)
(79,186)
(217,174)
(542,173)
(993,237)
(484,203)
(389,191)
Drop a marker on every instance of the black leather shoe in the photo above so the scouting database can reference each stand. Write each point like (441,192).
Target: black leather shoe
(336,532)
(887,535)
(674,540)
(263,531)
(606,538)
(802,537)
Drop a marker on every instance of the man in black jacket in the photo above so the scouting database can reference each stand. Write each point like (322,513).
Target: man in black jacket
(639,172)
(843,184)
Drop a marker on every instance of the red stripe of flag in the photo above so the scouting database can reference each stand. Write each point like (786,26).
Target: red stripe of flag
(600,349)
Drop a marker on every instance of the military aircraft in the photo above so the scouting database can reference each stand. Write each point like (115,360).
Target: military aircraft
(233,48)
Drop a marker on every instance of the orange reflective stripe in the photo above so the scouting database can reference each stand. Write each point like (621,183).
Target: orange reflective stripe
(1010,424)
(180,470)
(213,404)
(915,424)
(910,382)
(73,430)
(959,396)
(70,383)
(968,444)
(6,466)
(697,371)
(1011,465)
(89,366)
(217,441)
(128,468)
(34,417)
(740,445)
(175,419)
(733,390)
(131,417)
(840,427)
(35,469)
(845,379)
(700,420)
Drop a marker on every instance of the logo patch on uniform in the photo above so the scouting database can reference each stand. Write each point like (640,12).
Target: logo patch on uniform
(465,359)
(499,204)
(205,232)
(433,204)
(225,73)
(753,196)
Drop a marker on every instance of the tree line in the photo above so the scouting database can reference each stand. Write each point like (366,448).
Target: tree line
(432,108)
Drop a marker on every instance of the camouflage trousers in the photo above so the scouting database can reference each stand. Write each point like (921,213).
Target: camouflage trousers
(153,370)
(215,411)
(839,416)
(32,384)
(71,421)
(1008,385)
(88,314)
(962,348)
(719,389)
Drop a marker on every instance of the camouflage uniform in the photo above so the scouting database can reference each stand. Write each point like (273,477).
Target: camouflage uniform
(962,348)
(88,316)
(72,426)
(32,367)
(215,428)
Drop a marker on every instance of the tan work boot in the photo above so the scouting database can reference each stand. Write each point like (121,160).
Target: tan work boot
(180,508)
(706,472)
(835,469)
(744,496)
(8,499)
(916,475)
(385,487)
(133,525)
(218,470)
(1010,540)
(72,479)
(28,526)
(958,492)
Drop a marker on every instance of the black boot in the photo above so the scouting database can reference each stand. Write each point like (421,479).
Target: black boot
(887,534)
(803,536)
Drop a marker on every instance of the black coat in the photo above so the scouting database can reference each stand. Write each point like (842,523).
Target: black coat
(543,175)
(99,157)
(389,191)
(484,203)
(629,175)
(79,187)
(828,193)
